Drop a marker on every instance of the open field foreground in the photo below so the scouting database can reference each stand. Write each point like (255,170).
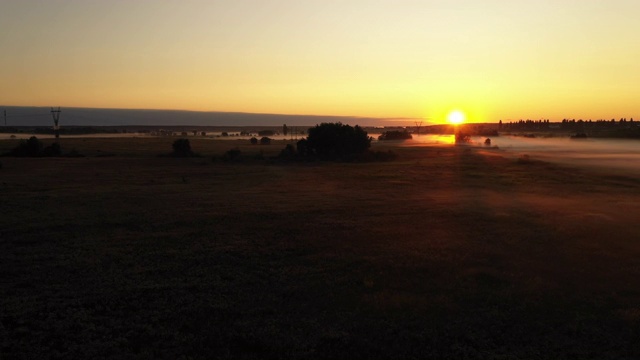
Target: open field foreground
(448,252)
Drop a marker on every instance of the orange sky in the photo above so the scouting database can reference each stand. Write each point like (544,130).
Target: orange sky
(492,59)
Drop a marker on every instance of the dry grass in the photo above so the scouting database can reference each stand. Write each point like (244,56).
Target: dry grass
(446,253)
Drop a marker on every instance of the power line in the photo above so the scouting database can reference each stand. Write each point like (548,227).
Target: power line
(23,115)
(418,126)
(12,116)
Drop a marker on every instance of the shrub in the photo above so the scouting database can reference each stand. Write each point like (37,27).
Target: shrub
(302,147)
(31,148)
(462,138)
(254,141)
(288,152)
(265,141)
(395,135)
(182,148)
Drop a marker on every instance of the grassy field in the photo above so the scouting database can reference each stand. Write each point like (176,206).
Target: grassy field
(448,252)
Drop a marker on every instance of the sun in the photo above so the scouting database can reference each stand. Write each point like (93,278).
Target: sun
(456,117)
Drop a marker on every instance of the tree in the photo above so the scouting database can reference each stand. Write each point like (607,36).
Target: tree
(288,152)
(265,140)
(395,135)
(182,147)
(302,147)
(337,141)
(31,147)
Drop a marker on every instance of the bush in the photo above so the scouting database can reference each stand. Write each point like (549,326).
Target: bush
(182,148)
(28,148)
(302,147)
(34,148)
(395,135)
(288,152)
(254,141)
(265,141)
(462,138)
(331,141)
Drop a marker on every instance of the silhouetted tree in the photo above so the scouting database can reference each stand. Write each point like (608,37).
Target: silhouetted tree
(31,147)
(337,141)
(395,135)
(265,141)
(302,147)
(182,147)
(288,152)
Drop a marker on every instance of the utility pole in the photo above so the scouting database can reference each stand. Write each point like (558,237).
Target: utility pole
(418,126)
(56,118)
(5,117)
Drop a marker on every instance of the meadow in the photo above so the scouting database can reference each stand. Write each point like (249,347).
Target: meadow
(446,252)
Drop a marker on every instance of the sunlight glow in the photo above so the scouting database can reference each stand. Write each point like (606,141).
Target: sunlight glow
(268,57)
(456,117)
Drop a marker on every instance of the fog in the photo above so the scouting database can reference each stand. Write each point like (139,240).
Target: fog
(616,156)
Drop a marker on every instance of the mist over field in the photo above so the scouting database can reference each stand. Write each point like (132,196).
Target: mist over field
(617,156)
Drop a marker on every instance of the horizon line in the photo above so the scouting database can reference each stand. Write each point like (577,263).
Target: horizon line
(387,118)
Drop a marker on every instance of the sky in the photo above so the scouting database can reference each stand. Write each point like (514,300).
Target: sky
(493,59)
